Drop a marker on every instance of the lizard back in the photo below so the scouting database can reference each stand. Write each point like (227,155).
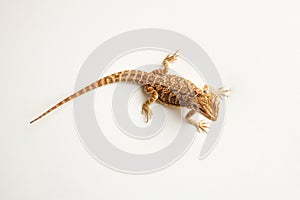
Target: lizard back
(174,90)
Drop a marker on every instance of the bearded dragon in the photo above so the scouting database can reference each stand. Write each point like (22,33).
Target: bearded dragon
(167,89)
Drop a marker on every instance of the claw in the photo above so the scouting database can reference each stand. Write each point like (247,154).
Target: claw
(173,57)
(148,112)
(202,126)
(170,58)
(220,92)
(224,92)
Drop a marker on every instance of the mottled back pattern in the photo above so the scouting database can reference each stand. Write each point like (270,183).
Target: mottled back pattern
(174,90)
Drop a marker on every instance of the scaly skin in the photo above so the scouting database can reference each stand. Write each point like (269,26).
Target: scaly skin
(167,89)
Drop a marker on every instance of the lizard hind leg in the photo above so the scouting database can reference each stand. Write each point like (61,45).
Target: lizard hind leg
(166,62)
(146,106)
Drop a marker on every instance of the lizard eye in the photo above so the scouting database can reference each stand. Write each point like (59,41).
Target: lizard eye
(205,89)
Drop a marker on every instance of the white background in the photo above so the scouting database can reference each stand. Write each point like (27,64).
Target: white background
(255,46)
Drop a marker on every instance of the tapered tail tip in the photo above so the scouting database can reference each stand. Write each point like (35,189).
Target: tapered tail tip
(32,121)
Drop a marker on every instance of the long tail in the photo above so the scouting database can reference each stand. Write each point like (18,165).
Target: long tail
(132,76)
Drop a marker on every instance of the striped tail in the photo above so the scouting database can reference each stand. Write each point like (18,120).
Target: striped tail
(133,76)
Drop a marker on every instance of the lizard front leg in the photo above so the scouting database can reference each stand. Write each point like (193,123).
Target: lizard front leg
(166,62)
(154,96)
(201,125)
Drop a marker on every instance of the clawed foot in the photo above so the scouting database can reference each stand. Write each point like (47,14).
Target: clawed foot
(223,92)
(148,112)
(220,92)
(170,59)
(201,126)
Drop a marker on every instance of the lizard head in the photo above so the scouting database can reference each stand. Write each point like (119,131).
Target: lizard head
(207,103)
